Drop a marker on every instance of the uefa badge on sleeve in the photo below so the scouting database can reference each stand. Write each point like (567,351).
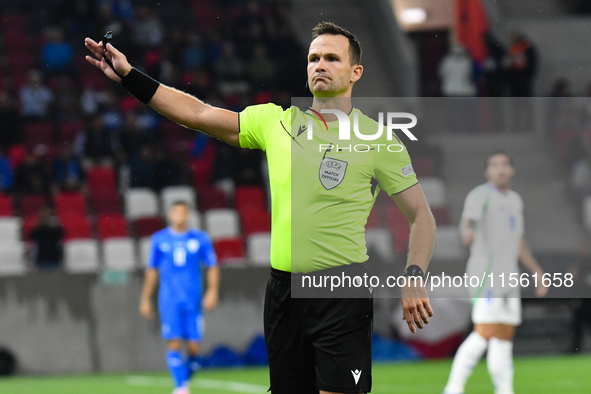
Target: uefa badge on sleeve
(332,172)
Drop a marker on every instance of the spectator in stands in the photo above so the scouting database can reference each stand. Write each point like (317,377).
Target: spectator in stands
(131,137)
(523,63)
(561,88)
(494,66)
(66,99)
(261,69)
(56,53)
(91,100)
(68,171)
(147,29)
(142,168)
(166,171)
(31,176)
(194,54)
(456,73)
(248,168)
(35,98)
(98,147)
(110,111)
(9,121)
(6,173)
(230,71)
(48,236)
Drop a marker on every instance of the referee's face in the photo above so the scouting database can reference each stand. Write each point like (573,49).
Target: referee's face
(330,73)
(499,171)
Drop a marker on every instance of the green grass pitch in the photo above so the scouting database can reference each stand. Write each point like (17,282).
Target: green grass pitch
(539,375)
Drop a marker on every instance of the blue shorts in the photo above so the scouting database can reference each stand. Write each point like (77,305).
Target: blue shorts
(181,323)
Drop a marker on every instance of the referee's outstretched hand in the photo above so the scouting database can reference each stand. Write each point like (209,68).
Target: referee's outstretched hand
(416,309)
(116,58)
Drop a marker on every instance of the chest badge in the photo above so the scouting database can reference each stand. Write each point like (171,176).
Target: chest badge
(332,172)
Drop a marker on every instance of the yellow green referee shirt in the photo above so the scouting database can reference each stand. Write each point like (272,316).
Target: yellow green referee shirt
(322,188)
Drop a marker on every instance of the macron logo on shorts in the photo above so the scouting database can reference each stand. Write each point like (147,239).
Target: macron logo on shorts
(356,375)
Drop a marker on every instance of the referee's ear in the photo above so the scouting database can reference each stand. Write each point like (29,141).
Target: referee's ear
(356,73)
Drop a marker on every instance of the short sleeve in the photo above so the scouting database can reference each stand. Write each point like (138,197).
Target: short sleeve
(154,255)
(475,204)
(208,256)
(255,122)
(393,168)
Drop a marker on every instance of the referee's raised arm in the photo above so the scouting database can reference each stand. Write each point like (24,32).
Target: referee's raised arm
(172,103)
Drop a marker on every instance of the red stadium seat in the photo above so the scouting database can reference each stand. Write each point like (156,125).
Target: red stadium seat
(69,203)
(203,166)
(399,228)
(76,227)
(373,221)
(250,198)
(423,166)
(111,226)
(255,221)
(105,203)
(29,223)
(211,199)
(145,227)
(31,204)
(67,131)
(13,21)
(38,133)
(442,216)
(21,60)
(229,248)
(6,208)
(102,181)
(16,154)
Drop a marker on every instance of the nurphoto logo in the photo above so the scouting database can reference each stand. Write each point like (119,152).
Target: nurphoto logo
(345,130)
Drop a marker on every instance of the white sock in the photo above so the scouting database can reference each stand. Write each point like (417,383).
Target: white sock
(466,358)
(500,365)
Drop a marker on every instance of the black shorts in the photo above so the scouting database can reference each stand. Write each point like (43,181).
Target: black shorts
(317,343)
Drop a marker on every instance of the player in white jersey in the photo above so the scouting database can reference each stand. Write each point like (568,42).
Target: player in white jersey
(492,226)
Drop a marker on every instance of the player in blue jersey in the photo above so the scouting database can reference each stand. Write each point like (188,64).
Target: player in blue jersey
(177,255)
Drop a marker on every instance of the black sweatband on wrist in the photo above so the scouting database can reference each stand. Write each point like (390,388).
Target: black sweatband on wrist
(414,270)
(139,85)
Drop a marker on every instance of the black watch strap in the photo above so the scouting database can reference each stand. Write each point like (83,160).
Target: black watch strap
(414,270)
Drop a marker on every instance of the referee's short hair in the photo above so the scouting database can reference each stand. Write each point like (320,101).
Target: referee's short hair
(332,29)
(498,152)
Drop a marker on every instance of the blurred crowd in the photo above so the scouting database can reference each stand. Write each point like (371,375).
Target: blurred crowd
(506,71)
(59,116)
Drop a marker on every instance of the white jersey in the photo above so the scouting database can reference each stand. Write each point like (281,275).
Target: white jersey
(497,237)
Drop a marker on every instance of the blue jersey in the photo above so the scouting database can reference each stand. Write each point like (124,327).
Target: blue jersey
(178,258)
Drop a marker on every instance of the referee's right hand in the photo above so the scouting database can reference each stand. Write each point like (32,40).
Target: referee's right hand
(416,309)
(116,58)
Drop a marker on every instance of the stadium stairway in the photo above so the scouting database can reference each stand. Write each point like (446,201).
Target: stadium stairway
(389,61)
(551,225)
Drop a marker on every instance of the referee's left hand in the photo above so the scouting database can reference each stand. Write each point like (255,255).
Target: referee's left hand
(117,59)
(416,309)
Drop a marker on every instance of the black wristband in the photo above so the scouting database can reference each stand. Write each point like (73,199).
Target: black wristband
(414,270)
(139,85)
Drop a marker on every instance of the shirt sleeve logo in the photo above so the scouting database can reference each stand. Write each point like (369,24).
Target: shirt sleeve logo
(332,172)
(407,170)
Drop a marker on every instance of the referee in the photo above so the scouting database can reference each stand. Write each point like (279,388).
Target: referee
(314,345)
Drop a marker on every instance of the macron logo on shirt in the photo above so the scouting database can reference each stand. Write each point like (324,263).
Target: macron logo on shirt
(356,375)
